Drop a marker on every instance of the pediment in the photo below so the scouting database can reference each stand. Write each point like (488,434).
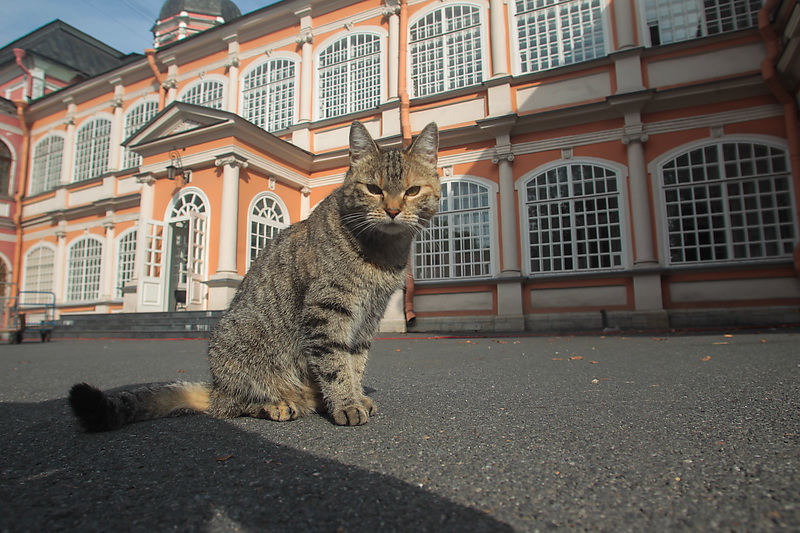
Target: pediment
(178,118)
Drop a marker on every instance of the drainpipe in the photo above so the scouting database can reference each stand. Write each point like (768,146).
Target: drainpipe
(20,54)
(405,128)
(772,80)
(150,53)
(21,187)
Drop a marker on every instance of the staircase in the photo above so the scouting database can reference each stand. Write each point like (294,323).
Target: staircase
(174,325)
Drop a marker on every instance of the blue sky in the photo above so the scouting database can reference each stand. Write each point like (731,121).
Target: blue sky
(121,24)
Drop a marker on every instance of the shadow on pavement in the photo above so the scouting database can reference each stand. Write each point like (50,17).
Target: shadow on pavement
(195,473)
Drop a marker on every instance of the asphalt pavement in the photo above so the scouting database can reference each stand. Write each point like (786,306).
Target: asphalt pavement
(679,432)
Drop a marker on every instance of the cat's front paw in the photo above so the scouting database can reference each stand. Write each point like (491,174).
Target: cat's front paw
(355,414)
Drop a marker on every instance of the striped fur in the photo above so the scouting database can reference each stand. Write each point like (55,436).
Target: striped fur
(298,331)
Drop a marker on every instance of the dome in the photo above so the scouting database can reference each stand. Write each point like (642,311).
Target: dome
(218,8)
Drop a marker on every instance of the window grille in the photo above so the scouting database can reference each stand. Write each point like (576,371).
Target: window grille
(208,93)
(268,95)
(134,120)
(266,221)
(573,220)
(5,169)
(92,145)
(729,201)
(458,242)
(126,256)
(554,33)
(83,271)
(39,268)
(446,50)
(47,158)
(671,21)
(350,75)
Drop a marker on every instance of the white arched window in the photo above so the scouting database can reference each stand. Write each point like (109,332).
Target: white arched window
(47,159)
(573,219)
(208,93)
(5,169)
(446,50)
(554,33)
(349,75)
(126,256)
(266,219)
(134,120)
(268,94)
(39,268)
(728,201)
(92,144)
(84,269)
(459,243)
(672,21)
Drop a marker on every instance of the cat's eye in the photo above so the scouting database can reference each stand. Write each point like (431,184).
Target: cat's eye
(374,189)
(412,191)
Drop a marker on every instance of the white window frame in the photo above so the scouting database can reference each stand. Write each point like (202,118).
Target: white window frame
(350,101)
(52,166)
(92,155)
(268,124)
(125,259)
(620,259)
(8,190)
(492,267)
(139,114)
(85,274)
(40,283)
(481,74)
(695,24)
(729,235)
(198,84)
(275,225)
(516,48)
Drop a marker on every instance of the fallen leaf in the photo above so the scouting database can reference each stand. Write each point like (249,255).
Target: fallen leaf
(727,335)
(593,362)
(557,359)
(706,358)
(576,358)
(224,457)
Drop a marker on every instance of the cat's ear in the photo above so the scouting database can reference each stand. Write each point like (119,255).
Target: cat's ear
(361,143)
(425,147)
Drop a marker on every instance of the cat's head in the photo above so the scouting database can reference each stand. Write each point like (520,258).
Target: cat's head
(391,191)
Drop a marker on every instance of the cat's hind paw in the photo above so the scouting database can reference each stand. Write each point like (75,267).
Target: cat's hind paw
(356,414)
(279,411)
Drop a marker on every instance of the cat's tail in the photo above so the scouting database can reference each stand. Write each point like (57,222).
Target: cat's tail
(100,411)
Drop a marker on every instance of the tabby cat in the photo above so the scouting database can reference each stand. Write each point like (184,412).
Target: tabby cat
(296,336)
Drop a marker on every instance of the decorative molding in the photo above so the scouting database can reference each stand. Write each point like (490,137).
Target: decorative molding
(567,153)
(271,183)
(117,102)
(231,160)
(233,61)
(389,11)
(69,120)
(145,179)
(305,191)
(306,37)
(170,83)
(717,131)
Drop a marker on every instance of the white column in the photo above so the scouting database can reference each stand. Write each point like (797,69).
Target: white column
(392,12)
(107,289)
(117,128)
(146,203)
(305,203)
(508,215)
(229,213)
(306,76)
(60,266)
(171,83)
(69,146)
(498,41)
(233,73)
(623,16)
(640,200)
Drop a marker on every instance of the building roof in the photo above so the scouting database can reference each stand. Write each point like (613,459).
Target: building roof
(221,8)
(68,46)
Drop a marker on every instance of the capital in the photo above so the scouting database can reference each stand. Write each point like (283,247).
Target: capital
(306,37)
(145,179)
(231,160)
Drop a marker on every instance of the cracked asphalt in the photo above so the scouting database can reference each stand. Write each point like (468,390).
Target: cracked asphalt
(667,432)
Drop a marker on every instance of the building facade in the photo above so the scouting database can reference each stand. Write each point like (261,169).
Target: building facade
(604,163)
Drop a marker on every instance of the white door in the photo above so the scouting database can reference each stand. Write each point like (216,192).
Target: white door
(151,285)
(196,263)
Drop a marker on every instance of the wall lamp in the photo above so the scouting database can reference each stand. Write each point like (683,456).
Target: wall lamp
(175,168)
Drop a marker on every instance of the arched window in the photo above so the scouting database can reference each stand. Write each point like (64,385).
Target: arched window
(728,201)
(5,169)
(672,21)
(47,159)
(267,218)
(573,220)
(350,75)
(268,94)
(39,268)
(134,120)
(126,255)
(92,145)
(208,93)
(446,50)
(554,33)
(84,269)
(458,244)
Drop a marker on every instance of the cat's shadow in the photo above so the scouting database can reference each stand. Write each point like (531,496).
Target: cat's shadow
(196,473)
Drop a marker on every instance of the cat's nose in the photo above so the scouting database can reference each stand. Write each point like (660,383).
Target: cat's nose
(392,212)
